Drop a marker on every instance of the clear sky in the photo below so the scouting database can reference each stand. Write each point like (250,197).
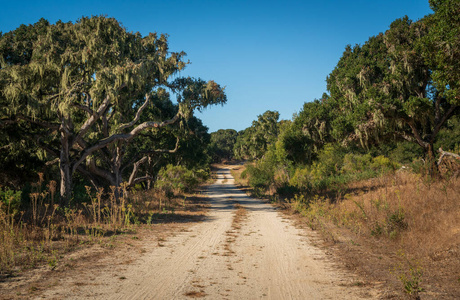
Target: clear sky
(270,55)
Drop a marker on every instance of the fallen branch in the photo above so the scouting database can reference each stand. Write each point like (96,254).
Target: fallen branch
(445,153)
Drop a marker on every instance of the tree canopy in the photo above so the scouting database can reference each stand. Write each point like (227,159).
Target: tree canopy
(253,142)
(83,91)
(400,86)
(222,143)
(395,85)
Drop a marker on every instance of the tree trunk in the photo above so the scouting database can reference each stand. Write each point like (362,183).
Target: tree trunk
(116,170)
(431,161)
(65,170)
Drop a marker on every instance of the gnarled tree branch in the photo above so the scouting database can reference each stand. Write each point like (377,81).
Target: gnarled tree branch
(122,136)
(138,114)
(445,153)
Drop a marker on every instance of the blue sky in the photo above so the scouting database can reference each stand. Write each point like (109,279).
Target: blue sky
(270,55)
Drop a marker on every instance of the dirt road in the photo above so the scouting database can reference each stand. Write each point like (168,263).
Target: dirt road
(244,249)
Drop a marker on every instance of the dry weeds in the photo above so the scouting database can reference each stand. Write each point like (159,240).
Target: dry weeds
(401,229)
(42,240)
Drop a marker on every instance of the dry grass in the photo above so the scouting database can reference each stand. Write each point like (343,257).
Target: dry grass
(423,216)
(236,173)
(46,231)
(195,294)
(401,229)
(240,215)
(87,255)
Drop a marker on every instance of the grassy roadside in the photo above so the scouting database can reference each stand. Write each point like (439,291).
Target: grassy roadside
(35,256)
(400,231)
(35,229)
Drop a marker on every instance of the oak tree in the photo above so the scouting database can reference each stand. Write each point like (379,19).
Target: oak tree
(85,86)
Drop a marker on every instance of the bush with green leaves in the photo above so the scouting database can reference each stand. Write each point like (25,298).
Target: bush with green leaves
(11,199)
(329,163)
(406,152)
(260,176)
(356,162)
(174,180)
(301,179)
(383,164)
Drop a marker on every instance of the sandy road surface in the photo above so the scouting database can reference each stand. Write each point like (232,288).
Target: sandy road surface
(259,255)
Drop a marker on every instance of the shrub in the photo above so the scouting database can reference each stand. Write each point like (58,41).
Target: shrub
(282,183)
(382,163)
(174,180)
(301,179)
(356,162)
(330,161)
(406,152)
(11,199)
(258,177)
(203,174)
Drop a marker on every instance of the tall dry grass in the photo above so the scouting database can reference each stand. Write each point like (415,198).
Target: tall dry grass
(421,215)
(45,230)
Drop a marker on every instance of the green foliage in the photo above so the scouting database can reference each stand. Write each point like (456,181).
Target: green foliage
(20,158)
(272,171)
(310,131)
(330,167)
(441,48)
(254,141)
(301,179)
(356,162)
(93,95)
(222,144)
(297,146)
(396,86)
(406,152)
(449,137)
(361,163)
(382,164)
(410,274)
(330,160)
(394,223)
(11,199)
(193,145)
(244,174)
(174,180)
(260,176)
(354,97)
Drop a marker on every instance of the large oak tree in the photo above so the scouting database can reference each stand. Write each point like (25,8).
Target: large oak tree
(85,86)
(400,84)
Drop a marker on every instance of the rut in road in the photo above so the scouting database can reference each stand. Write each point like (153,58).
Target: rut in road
(256,254)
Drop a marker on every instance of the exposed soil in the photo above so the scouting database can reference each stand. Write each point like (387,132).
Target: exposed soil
(242,249)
